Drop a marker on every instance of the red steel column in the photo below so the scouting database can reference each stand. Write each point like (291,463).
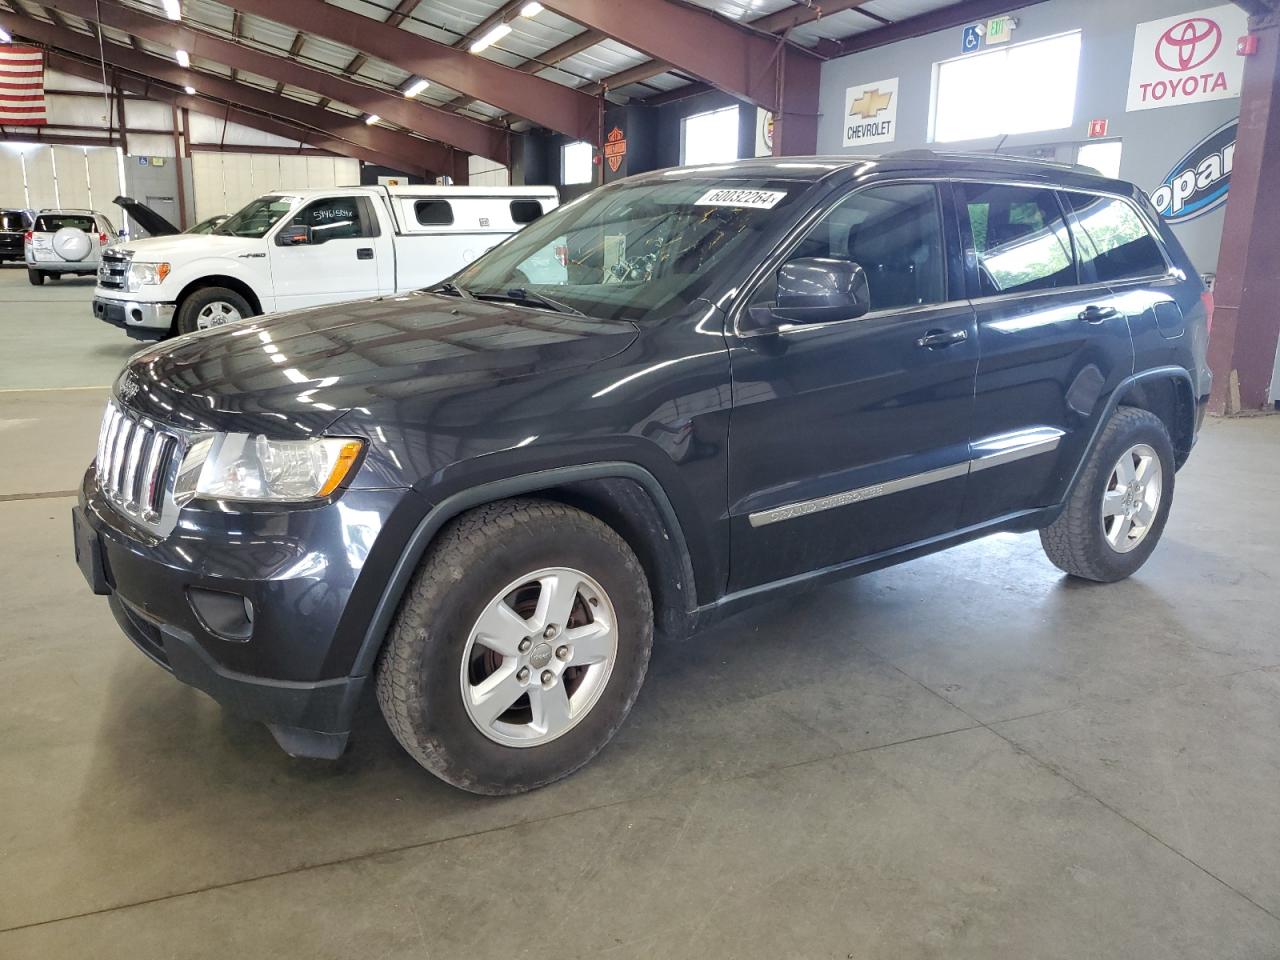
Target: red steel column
(1246,316)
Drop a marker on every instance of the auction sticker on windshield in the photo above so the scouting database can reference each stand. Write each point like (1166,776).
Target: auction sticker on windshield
(734,197)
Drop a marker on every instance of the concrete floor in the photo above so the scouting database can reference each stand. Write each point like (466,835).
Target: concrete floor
(967,756)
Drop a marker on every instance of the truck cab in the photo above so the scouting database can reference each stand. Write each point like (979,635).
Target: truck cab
(290,250)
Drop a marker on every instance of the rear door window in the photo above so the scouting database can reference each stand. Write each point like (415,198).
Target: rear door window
(1112,240)
(53,222)
(1020,238)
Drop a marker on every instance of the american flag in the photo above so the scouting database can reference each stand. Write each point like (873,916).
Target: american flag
(22,87)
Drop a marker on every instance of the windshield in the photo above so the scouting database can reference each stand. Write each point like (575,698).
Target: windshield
(53,222)
(207,226)
(634,251)
(255,219)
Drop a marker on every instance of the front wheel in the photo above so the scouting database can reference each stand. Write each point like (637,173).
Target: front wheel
(1117,512)
(211,307)
(519,647)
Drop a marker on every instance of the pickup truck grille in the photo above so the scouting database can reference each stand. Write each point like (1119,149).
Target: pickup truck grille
(136,464)
(111,273)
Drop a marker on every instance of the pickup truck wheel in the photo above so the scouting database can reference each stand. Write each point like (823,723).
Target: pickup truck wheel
(211,307)
(35,277)
(519,647)
(1115,515)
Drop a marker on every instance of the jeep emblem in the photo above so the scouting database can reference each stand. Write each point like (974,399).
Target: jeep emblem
(128,387)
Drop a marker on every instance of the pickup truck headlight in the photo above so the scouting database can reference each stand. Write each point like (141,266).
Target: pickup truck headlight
(242,466)
(146,275)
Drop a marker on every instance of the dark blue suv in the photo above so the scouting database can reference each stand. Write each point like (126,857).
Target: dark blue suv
(683,393)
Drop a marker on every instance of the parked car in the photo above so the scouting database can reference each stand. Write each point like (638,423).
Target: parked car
(14,225)
(66,241)
(306,248)
(484,500)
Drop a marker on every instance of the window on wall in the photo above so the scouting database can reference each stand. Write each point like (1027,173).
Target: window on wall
(575,163)
(709,137)
(1022,88)
(1102,155)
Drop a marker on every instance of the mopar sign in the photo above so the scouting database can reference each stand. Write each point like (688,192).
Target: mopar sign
(1199,181)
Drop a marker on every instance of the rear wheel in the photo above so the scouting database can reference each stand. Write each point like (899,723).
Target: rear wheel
(1118,510)
(211,307)
(519,647)
(35,277)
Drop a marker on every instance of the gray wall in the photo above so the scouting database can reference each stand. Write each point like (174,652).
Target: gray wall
(1154,140)
(151,181)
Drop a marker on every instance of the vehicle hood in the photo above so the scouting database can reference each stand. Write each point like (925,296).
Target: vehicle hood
(147,218)
(293,374)
(188,246)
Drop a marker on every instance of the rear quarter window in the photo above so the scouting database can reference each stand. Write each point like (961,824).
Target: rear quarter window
(433,213)
(1112,240)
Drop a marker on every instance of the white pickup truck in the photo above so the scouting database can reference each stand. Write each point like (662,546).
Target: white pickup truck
(304,248)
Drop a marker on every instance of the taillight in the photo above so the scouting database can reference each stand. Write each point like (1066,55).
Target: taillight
(102,239)
(26,237)
(1207,299)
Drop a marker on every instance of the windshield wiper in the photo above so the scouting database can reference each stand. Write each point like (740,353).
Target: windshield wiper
(451,289)
(527,297)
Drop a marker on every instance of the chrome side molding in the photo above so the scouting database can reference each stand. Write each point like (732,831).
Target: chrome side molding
(988,452)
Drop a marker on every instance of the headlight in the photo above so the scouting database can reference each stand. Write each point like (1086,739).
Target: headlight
(146,274)
(242,466)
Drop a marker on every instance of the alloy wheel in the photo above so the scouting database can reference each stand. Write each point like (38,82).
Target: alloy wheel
(1131,500)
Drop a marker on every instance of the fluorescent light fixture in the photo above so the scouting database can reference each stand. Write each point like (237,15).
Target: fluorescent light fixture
(191,91)
(172,10)
(183,58)
(490,38)
(372,118)
(416,87)
(531,9)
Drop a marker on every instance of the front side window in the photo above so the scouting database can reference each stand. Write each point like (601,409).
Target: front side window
(333,218)
(895,234)
(639,251)
(1020,238)
(256,218)
(1112,240)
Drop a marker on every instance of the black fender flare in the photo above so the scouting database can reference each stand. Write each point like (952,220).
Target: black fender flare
(1171,372)
(455,504)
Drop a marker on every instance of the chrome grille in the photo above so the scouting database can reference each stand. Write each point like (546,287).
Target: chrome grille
(113,270)
(135,462)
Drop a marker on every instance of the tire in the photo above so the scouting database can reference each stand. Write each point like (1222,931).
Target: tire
(1079,542)
(35,277)
(210,298)
(420,680)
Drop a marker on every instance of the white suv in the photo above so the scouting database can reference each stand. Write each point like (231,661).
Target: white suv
(66,241)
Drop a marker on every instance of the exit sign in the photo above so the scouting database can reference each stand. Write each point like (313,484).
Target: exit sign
(1098,128)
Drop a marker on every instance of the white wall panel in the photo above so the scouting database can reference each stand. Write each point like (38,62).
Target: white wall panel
(293,172)
(346,172)
(13,191)
(206,176)
(266,171)
(483,172)
(319,172)
(104,182)
(40,186)
(73,177)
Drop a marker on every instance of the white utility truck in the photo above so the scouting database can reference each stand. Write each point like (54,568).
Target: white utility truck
(303,248)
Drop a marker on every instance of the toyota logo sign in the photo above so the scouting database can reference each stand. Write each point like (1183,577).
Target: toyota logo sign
(1184,59)
(1188,44)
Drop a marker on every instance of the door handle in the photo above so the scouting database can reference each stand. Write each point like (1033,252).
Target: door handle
(364,253)
(936,339)
(1096,314)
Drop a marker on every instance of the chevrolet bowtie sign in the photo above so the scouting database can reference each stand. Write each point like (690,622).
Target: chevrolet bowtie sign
(871,113)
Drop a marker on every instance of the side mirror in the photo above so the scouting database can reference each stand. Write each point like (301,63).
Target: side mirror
(295,235)
(820,290)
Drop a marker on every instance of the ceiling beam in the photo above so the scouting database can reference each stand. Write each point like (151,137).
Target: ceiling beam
(788,18)
(469,135)
(545,102)
(734,58)
(394,149)
(143,87)
(943,18)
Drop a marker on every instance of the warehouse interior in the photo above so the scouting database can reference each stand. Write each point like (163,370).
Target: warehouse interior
(968,755)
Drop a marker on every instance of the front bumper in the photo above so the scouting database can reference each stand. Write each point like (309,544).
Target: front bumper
(312,575)
(141,320)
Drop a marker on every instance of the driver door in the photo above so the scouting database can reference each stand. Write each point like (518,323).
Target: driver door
(326,253)
(851,438)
